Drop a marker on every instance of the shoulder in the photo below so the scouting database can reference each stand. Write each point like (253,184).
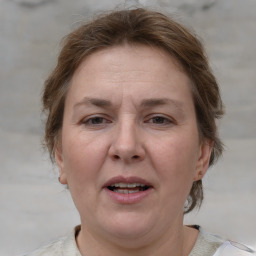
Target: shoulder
(52,249)
(213,245)
(65,246)
(230,248)
(206,243)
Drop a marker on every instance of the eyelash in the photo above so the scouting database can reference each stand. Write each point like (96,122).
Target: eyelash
(89,121)
(154,120)
(164,120)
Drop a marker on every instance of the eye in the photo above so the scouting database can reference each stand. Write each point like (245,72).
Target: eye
(160,120)
(95,121)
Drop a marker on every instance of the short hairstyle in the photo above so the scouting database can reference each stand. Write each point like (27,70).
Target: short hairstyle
(138,26)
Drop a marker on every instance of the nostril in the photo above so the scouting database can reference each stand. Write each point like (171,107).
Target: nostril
(118,157)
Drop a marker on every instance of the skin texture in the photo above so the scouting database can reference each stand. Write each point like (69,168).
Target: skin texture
(144,125)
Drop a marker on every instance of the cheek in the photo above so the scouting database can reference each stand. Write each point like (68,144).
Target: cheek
(83,157)
(175,160)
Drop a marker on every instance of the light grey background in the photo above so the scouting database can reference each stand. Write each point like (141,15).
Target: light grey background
(34,208)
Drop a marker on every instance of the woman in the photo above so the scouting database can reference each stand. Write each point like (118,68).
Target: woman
(131,106)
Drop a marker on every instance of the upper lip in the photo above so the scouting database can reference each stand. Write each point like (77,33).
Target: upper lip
(121,179)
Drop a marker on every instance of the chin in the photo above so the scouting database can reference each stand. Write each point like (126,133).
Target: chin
(127,225)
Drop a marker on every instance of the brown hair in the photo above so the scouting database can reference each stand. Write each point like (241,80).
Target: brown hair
(144,27)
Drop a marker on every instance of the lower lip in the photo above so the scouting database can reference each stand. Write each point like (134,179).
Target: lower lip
(128,198)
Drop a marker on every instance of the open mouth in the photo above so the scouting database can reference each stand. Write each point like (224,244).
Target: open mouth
(128,188)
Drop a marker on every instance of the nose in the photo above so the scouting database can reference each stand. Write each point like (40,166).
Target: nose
(127,144)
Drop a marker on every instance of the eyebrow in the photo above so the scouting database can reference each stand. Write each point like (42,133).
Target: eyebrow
(93,101)
(161,101)
(146,103)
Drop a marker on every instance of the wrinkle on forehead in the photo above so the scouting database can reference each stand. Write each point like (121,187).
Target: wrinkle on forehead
(123,72)
(116,66)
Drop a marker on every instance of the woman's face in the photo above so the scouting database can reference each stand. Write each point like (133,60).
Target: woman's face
(130,149)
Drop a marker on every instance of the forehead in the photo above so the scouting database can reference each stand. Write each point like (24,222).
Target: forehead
(133,56)
(136,70)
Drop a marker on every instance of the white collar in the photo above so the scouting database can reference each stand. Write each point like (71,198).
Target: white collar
(229,248)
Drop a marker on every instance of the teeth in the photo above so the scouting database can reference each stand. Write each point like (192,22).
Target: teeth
(127,185)
(124,191)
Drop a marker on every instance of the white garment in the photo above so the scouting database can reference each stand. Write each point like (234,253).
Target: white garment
(67,247)
(229,248)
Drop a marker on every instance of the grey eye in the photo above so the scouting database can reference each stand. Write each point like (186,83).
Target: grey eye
(97,120)
(160,120)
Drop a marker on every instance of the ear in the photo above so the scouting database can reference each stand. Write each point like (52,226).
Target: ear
(60,163)
(204,155)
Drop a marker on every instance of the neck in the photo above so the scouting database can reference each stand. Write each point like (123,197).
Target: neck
(175,242)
